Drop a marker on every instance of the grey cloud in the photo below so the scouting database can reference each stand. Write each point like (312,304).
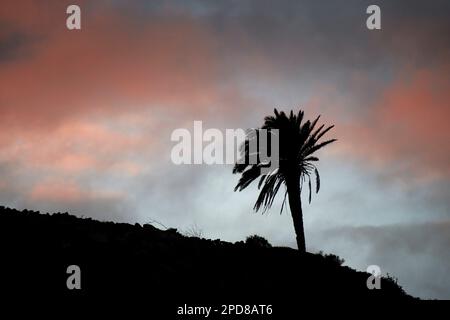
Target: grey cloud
(417,254)
(16,186)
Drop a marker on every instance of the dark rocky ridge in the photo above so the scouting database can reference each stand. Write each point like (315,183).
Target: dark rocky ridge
(131,260)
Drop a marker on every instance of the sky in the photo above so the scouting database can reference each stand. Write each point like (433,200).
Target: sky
(86,118)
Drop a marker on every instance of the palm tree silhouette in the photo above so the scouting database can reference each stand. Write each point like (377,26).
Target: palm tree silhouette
(298,141)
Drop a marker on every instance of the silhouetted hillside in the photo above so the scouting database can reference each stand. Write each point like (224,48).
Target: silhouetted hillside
(122,260)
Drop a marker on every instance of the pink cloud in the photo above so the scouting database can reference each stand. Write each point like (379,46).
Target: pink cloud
(77,146)
(407,129)
(113,65)
(56,190)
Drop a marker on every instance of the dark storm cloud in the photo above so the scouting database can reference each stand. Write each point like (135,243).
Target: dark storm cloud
(11,46)
(331,32)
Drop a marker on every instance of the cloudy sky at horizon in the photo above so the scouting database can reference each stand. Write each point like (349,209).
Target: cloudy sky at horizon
(86,118)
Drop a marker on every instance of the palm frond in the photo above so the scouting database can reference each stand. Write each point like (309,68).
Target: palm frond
(309,187)
(318,146)
(298,141)
(317,179)
(284,201)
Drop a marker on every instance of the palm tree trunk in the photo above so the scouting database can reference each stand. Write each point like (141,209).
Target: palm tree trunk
(295,204)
